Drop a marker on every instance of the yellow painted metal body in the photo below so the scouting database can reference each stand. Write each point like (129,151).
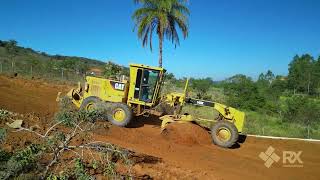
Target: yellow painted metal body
(129,92)
(227,113)
(235,116)
(122,91)
(104,89)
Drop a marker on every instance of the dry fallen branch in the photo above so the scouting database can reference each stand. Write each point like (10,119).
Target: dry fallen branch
(31,130)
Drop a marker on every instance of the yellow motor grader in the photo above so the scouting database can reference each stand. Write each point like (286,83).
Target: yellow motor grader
(140,95)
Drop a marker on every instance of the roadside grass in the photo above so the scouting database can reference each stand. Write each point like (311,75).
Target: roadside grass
(260,124)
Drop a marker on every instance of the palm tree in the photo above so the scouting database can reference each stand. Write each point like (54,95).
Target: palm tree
(162,17)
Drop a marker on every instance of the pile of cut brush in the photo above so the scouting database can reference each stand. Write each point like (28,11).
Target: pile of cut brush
(62,149)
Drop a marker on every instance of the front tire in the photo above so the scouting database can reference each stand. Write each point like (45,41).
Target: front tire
(224,134)
(120,114)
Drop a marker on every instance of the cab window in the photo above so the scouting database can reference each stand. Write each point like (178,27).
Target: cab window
(145,84)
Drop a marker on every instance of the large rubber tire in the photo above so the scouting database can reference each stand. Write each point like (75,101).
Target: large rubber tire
(120,114)
(224,134)
(89,103)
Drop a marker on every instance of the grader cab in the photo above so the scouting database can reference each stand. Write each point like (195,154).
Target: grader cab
(140,95)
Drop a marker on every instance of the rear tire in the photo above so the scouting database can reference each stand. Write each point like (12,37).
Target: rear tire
(89,103)
(120,114)
(224,134)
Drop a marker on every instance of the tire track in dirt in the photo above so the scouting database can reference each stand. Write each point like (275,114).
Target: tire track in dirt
(187,160)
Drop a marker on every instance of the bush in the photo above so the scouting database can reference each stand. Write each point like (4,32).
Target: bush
(301,109)
(80,171)
(4,156)
(201,86)
(21,161)
(70,116)
(243,93)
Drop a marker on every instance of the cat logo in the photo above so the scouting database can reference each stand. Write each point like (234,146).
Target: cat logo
(119,86)
(200,102)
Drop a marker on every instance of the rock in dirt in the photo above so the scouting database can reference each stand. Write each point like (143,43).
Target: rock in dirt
(15,124)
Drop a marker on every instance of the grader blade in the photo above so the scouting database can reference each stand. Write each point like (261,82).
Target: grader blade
(167,119)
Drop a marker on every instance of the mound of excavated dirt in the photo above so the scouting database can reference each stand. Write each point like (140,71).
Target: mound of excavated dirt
(187,134)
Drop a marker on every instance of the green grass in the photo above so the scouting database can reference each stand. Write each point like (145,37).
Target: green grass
(260,124)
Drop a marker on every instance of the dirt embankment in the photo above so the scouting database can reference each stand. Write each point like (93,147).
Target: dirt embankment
(27,96)
(186,150)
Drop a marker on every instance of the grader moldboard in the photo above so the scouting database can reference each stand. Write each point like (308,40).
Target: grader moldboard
(141,96)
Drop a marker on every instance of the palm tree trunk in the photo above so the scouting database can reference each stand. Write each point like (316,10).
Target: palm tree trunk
(160,48)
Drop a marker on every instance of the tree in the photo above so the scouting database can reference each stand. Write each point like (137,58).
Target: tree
(170,76)
(33,62)
(81,67)
(202,86)
(301,73)
(278,85)
(316,76)
(68,64)
(242,92)
(112,70)
(265,80)
(161,17)
(12,49)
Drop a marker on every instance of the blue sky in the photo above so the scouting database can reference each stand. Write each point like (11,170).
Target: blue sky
(226,37)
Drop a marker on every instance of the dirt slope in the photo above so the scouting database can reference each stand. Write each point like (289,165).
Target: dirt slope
(25,96)
(185,149)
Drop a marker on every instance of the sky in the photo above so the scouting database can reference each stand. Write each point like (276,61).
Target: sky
(226,37)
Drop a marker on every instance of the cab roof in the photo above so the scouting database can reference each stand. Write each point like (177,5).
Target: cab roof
(148,67)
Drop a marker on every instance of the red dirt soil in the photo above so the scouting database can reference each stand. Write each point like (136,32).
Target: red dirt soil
(187,134)
(185,149)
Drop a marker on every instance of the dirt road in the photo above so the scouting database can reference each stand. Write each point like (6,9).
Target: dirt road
(185,155)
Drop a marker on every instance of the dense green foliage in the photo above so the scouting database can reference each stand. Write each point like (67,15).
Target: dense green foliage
(275,105)
(304,73)
(162,17)
(242,92)
(113,70)
(80,171)
(302,109)
(20,161)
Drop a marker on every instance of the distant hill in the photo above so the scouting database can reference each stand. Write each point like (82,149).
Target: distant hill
(20,59)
